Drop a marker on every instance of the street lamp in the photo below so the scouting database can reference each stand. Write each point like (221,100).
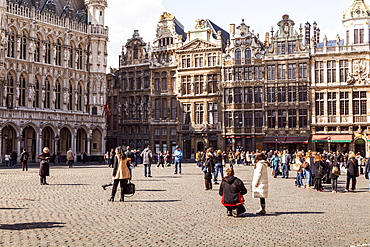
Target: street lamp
(329,141)
(276,139)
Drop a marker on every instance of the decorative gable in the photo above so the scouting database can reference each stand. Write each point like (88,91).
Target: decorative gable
(197,45)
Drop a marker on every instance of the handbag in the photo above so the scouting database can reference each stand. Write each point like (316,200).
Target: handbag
(305,165)
(129,189)
(296,167)
(335,171)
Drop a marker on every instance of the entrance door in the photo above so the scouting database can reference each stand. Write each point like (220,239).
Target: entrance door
(187,149)
(200,146)
(360,147)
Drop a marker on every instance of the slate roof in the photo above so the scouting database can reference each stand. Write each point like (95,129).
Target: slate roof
(330,43)
(179,28)
(77,6)
(225,36)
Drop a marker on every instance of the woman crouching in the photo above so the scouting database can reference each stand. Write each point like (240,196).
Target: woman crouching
(121,173)
(232,190)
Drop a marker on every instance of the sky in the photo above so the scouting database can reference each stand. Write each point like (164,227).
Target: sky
(124,16)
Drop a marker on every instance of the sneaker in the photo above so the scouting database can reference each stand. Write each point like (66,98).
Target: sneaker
(333,191)
(345,190)
(229,213)
(234,212)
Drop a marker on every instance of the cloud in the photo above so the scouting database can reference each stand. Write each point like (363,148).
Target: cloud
(123,17)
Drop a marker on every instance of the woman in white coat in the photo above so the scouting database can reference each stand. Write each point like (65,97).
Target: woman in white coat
(260,181)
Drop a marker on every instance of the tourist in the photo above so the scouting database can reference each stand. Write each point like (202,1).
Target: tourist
(319,172)
(160,159)
(70,158)
(24,159)
(334,173)
(367,171)
(177,162)
(121,173)
(44,165)
(275,164)
(209,170)
(147,157)
(218,166)
(352,171)
(232,190)
(260,181)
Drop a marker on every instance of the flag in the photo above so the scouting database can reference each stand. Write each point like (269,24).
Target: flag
(106,109)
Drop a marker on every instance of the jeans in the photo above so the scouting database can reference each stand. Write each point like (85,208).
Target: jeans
(308,176)
(334,184)
(147,172)
(285,170)
(14,162)
(219,168)
(24,165)
(299,179)
(276,170)
(349,178)
(177,166)
(369,179)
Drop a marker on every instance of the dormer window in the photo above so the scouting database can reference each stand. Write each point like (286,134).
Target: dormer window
(136,52)
(358,36)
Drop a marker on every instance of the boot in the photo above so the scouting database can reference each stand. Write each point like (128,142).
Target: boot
(308,186)
(262,209)
(106,185)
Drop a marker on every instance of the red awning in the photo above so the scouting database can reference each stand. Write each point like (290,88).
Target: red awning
(297,139)
(333,138)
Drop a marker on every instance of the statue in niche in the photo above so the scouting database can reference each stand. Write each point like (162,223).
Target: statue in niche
(31,93)
(66,97)
(43,95)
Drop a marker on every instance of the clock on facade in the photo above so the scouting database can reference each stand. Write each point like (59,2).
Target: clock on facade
(258,55)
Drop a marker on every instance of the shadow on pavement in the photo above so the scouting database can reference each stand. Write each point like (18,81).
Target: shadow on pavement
(150,190)
(154,201)
(303,212)
(69,184)
(27,226)
(11,208)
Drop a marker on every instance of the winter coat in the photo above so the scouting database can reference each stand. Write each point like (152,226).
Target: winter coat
(260,180)
(24,156)
(367,166)
(229,188)
(352,167)
(121,168)
(44,164)
(210,165)
(331,165)
(319,169)
(275,160)
(147,156)
(70,155)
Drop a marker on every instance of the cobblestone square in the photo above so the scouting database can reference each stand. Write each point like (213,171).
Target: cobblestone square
(172,210)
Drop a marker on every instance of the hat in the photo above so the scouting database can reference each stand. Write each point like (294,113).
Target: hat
(177,147)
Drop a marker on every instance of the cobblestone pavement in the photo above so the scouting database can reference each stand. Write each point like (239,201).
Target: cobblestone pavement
(172,210)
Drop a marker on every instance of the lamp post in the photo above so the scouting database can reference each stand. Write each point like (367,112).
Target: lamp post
(276,139)
(329,142)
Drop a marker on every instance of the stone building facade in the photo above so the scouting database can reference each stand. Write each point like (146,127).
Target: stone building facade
(53,75)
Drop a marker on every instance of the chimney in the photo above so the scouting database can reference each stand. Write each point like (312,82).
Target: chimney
(232,28)
(315,33)
(307,28)
(318,35)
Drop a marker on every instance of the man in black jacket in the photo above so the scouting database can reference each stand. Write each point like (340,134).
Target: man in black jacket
(232,190)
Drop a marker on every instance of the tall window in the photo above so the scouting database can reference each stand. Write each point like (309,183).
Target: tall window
(228,119)
(271,119)
(331,72)
(281,47)
(302,93)
(319,71)
(136,52)
(198,60)
(58,55)
(281,118)
(199,113)
(258,119)
(237,95)
(48,51)
(292,118)
(79,97)
(248,95)
(22,90)
(271,72)
(36,102)
(302,71)
(258,73)
(71,56)
(248,119)
(228,96)
(212,113)
(157,81)
(212,59)
(291,47)
(10,91)
(292,94)
(164,108)
(238,56)
(358,36)
(37,54)
(157,105)
(187,112)
(79,57)
(248,56)
(186,85)
(185,61)
(292,69)
(281,71)
(332,103)
(344,103)
(248,73)
(70,98)
(173,108)
(47,93)
(228,75)
(319,104)
(198,84)
(303,118)
(212,83)
(238,74)
(23,46)
(281,94)
(164,81)
(359,102)
(271,95)
(11,43)
(343,70)
(58,91)
(258,95)
(238,119)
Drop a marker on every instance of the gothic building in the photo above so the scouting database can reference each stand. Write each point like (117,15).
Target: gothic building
(53,74)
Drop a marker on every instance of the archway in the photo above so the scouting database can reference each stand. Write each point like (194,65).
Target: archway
(47,139)
(29,142)
(200,146)
(65,140)
(9,139)
(96,142)
(360,147)
(81,142)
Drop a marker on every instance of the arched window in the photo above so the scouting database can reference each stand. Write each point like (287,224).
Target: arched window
(70,98)
(71,56)
(22,90)
(10,90)
(238,56)
(36,102)
(23,46)
(79,98)
(248,56)
(48,51)
(79,57)
(58,91)
(11,43)
(47,93)
(37,54)
(136,52)
(58,55)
